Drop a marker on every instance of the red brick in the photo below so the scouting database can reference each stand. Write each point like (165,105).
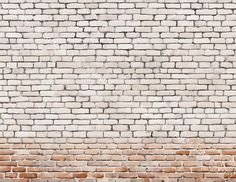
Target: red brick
(18,146)
(229,152)
(28,175)
(7,152)
(70,158)
(19,169)
(32,146)
(5,146)
(80,175)
(203,163)
(4,158)
(8,163)
(5,169)
(214,175)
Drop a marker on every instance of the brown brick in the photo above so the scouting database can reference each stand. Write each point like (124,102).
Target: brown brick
(155,158)
(193,175)
(121,169)
(200,169)
(64,175)
(112,175)
(169,170)
(46,175)
(136,158)
(230,164)
(182,152)
(230,175)
(128,175)
(28,163)
(58,158)
(97,175)
(11,175)
(104,169)
(84,158)
(212,152)
(152,146)
(37,169)
(146,175)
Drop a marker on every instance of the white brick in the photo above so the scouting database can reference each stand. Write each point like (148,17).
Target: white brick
(95,70)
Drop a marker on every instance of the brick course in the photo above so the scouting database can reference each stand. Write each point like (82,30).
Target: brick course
(117,90)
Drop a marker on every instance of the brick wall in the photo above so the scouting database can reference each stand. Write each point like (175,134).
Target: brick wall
(117,90)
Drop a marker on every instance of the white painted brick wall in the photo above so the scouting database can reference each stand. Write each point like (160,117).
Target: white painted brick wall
(117,68)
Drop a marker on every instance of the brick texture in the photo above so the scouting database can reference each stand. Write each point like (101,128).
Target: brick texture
(117,90)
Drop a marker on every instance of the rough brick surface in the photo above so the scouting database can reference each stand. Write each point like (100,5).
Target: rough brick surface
(117,90)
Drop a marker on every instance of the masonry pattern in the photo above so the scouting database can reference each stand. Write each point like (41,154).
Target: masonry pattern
(117,90)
